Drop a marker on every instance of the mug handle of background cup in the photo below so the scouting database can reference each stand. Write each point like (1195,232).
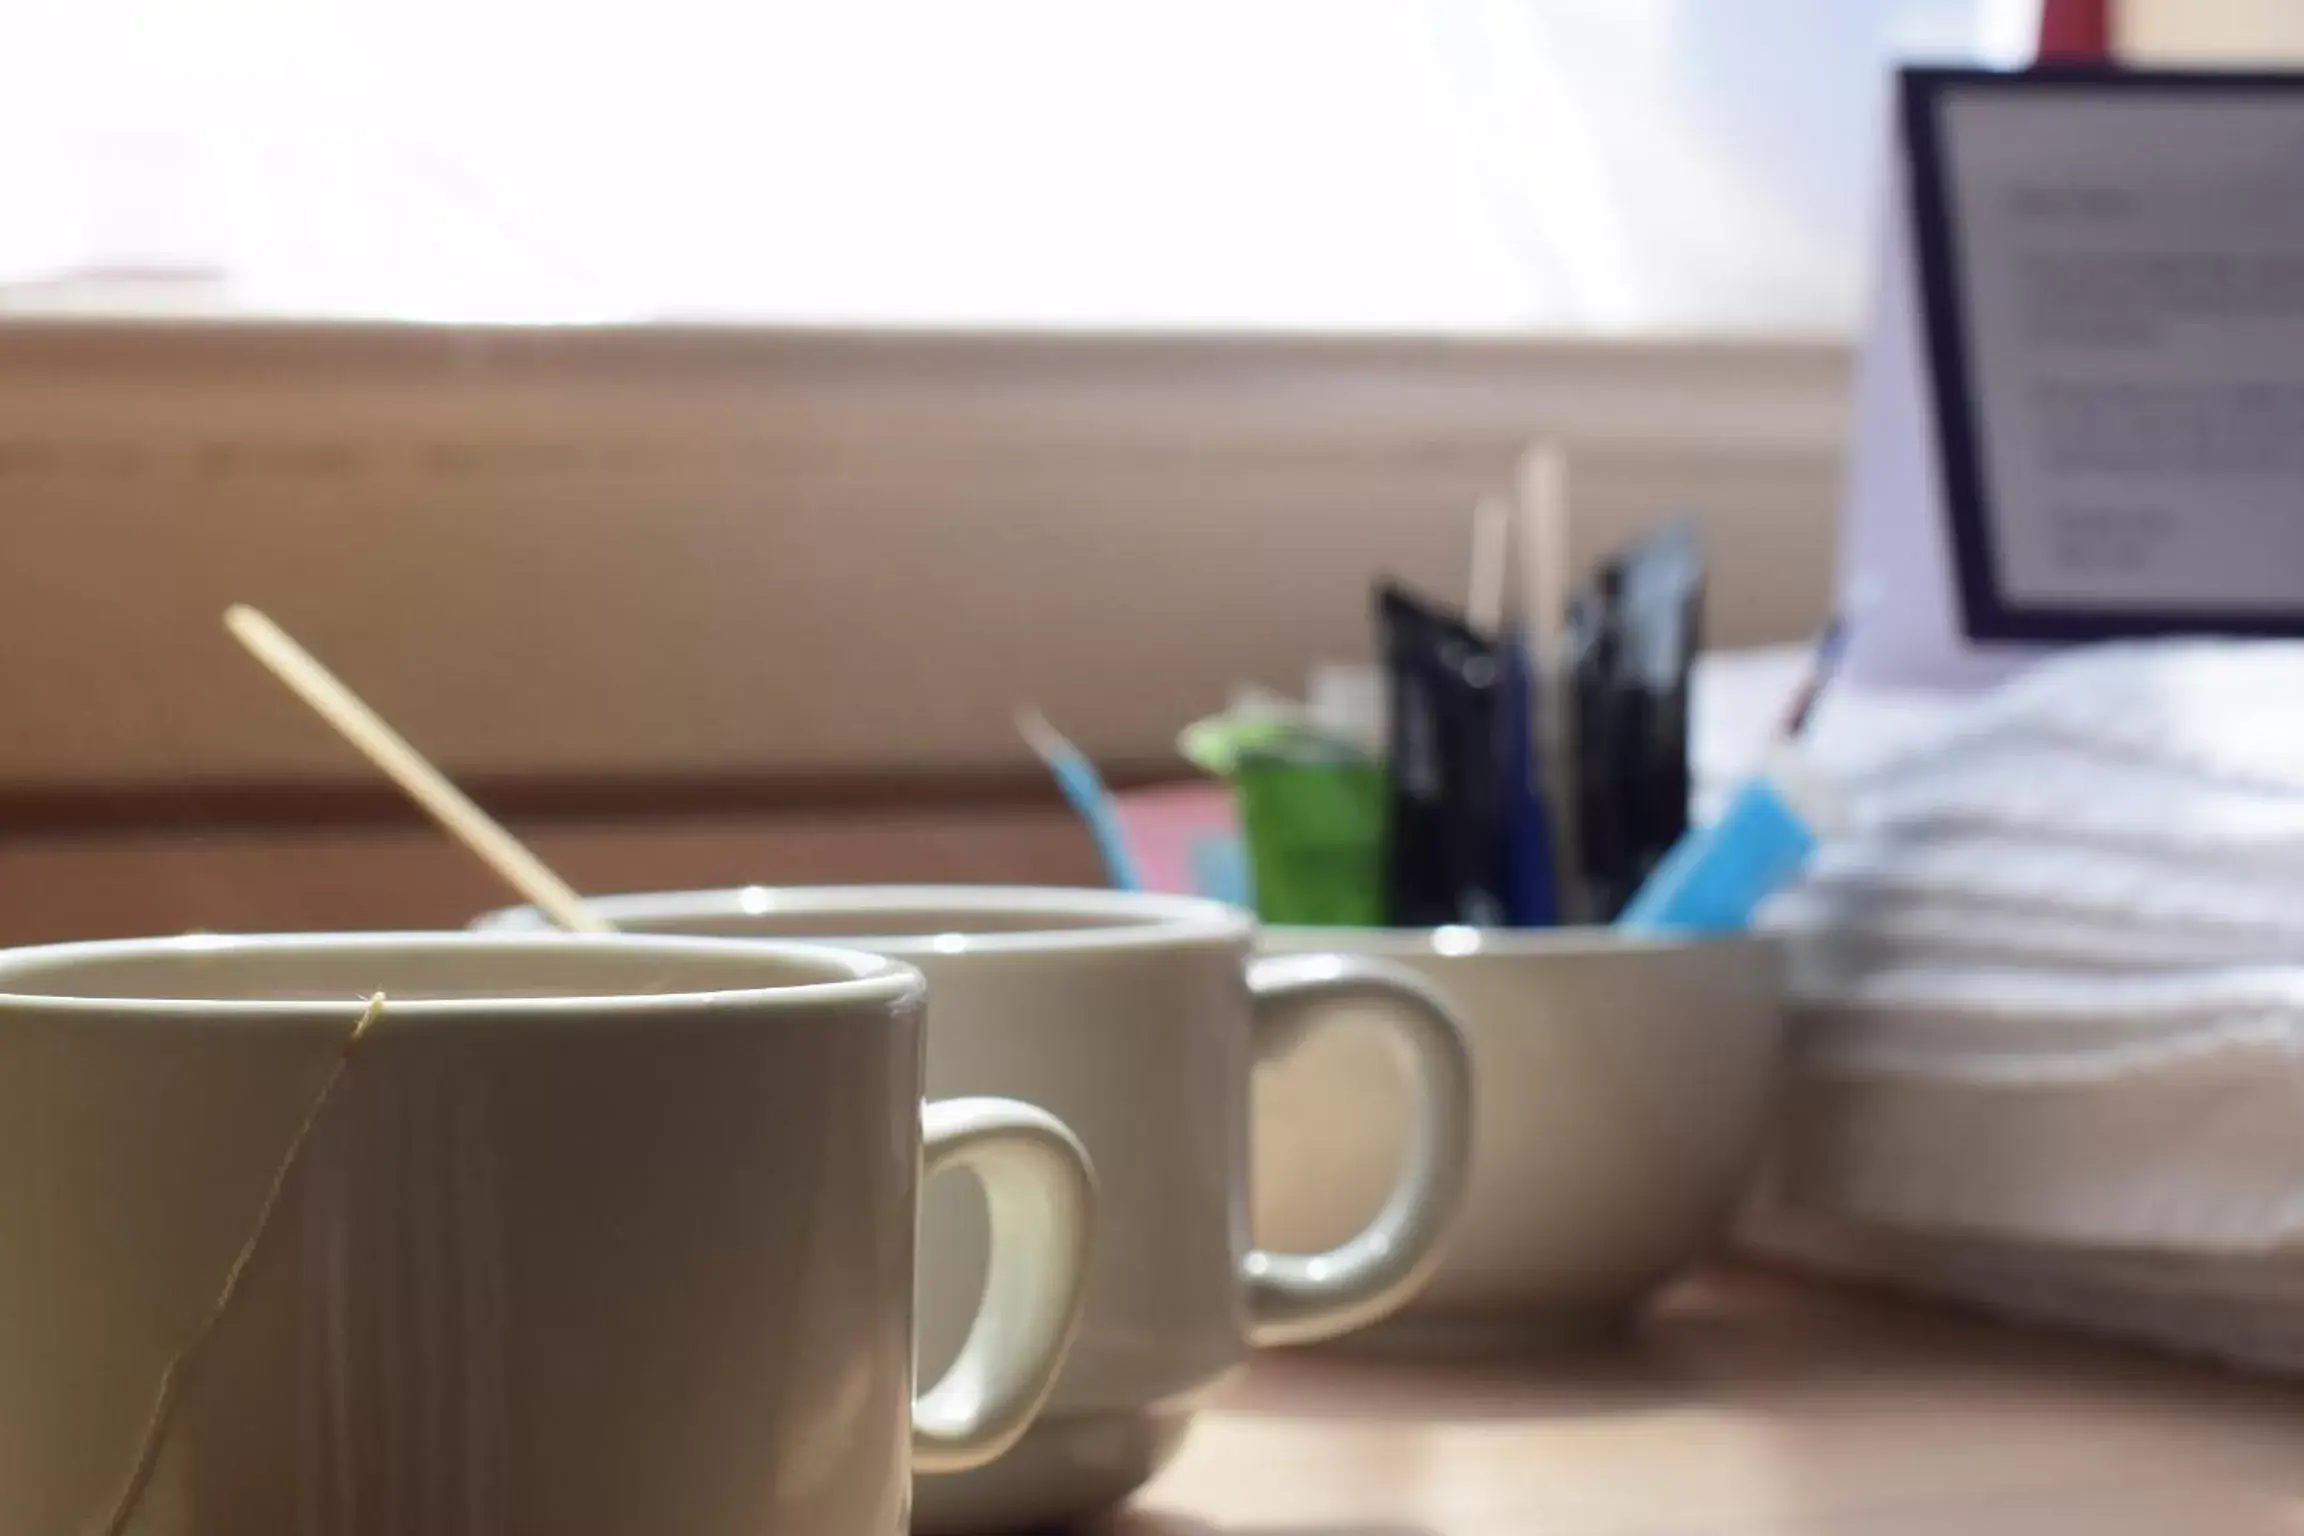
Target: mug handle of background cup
(1041,1195)
(1299,1298)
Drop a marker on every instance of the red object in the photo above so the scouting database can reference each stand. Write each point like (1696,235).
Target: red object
(2075,32)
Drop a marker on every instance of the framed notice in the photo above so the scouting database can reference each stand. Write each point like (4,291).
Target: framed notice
(2108,270)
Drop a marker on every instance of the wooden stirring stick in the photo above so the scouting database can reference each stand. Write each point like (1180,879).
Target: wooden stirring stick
(408,768)
(1544,574)
(1491,546)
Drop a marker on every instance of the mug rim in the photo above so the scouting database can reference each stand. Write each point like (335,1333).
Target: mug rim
(1118,919)
(1461,941)
(849,976)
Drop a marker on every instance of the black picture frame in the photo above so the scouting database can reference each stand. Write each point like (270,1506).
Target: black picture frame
(1987,613)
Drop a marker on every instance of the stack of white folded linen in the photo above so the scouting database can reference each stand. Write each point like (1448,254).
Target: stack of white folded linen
(2049,977)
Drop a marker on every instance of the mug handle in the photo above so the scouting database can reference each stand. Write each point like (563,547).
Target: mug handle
(1296,1298)
(1041,1195)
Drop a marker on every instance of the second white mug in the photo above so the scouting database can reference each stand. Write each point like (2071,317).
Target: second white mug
(1137,1019)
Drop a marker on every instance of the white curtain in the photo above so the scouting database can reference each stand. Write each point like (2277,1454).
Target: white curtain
(1584,166)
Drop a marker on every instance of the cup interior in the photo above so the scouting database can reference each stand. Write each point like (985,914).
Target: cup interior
(923,922)
(1589,943)
(916,921)
(441,969)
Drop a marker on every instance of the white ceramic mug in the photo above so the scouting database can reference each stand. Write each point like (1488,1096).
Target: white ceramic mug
(1137,1019)
(570,1237)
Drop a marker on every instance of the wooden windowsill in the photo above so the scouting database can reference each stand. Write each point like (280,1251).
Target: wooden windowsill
(678,555)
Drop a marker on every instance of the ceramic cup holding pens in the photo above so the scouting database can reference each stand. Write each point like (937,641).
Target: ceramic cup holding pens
(1514,772)
(1139,1019)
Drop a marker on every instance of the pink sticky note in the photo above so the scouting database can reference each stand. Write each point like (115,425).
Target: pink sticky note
(1162,825)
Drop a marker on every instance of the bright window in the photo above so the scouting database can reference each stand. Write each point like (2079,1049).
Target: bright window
(1577,166)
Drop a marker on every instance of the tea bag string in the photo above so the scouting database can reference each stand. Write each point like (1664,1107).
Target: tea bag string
(180,1365)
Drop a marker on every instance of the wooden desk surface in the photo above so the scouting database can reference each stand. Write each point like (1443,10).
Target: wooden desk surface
(1748,1406)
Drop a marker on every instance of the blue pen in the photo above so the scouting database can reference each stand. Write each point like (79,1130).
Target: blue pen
(1531,898)
(1715,877)
(1084,787)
